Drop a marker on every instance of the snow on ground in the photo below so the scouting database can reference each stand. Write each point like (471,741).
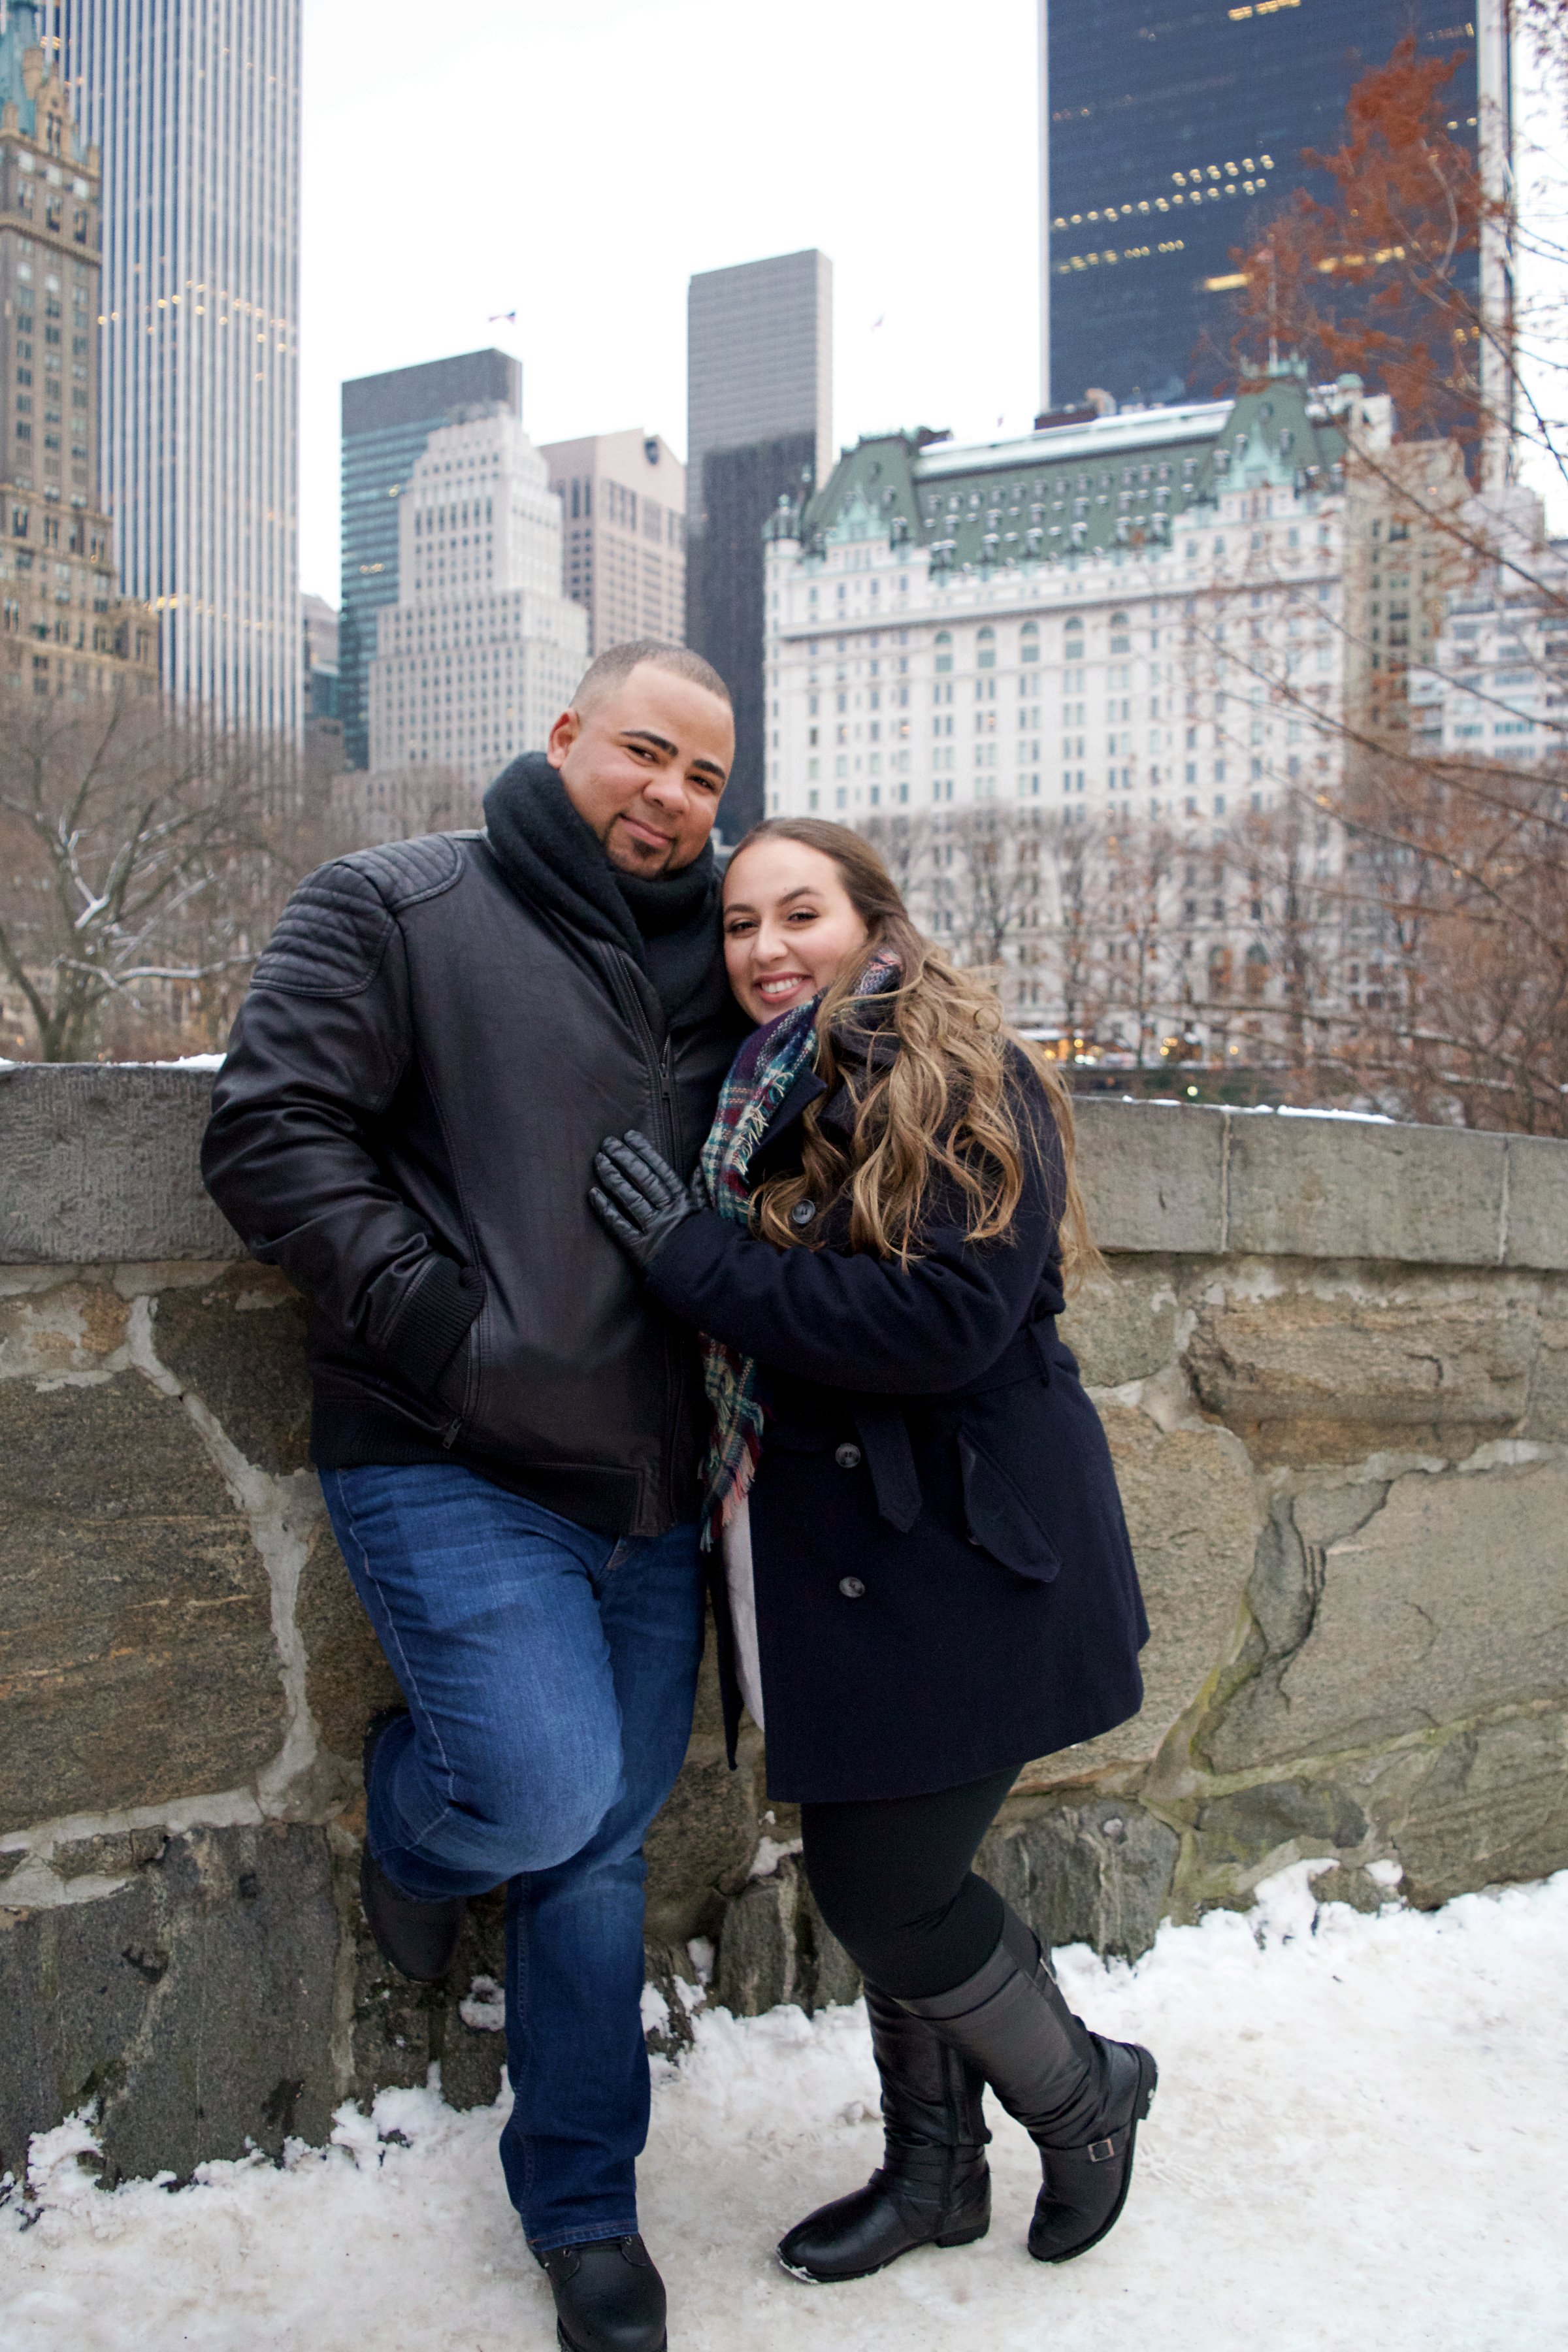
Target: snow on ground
(1361,2138)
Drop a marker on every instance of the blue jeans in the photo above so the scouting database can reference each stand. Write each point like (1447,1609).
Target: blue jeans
(550,1673)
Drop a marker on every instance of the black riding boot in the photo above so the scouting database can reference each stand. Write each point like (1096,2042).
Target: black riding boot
(1080,2097)
(933,2186)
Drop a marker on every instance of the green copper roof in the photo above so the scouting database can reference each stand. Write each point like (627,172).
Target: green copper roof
(1079,489)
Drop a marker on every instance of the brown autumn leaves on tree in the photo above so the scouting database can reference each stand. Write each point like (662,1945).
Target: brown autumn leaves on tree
(1399,276)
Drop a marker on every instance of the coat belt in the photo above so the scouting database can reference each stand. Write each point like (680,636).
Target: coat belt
(885,1441)
(884,1432)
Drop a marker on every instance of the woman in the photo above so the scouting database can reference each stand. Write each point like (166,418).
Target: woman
(927,1567)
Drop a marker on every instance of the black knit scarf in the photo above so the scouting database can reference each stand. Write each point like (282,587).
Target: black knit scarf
(670,925)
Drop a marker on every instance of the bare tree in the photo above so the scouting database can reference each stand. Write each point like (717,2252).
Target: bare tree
(1464,1013)
(904,843)
(124,837)
(1074,956)
(1139,971)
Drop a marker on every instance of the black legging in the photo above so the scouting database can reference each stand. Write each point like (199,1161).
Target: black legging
(891,1878)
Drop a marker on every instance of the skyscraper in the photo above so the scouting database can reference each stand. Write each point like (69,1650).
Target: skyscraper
(623,498)
(759,429)
(196,106)
(386,420)
(64,630)
(1167,139)
(480,653)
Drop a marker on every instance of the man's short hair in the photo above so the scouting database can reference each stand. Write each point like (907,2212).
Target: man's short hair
(612,669)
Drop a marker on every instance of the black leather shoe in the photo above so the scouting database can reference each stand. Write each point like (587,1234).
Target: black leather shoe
(608,2296)
(419,1939)
(933,2186)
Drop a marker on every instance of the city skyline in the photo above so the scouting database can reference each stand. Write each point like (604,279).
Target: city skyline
(196,106)
(600,301)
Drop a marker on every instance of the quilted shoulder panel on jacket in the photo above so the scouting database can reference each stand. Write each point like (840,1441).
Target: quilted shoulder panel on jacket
(333,932)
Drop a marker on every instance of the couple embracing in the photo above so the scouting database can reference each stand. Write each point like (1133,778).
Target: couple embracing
(662,1232)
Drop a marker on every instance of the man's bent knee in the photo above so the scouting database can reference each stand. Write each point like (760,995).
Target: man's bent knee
(530,1819)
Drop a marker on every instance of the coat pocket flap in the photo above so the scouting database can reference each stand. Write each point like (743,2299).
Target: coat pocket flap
(1000,1520)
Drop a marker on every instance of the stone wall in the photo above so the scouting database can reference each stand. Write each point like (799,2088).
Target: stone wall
(1332,1357)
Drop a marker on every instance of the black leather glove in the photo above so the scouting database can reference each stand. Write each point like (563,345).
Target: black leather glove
(638,1199)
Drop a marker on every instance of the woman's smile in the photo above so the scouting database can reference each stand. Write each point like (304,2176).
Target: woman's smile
(781,988)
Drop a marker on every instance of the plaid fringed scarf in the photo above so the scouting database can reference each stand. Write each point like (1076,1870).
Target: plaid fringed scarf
(761,1075)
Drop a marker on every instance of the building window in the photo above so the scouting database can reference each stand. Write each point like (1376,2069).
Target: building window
(985,657)
(943,650)
(1029,642)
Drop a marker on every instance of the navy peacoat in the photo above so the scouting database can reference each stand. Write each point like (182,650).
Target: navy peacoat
(944,1584)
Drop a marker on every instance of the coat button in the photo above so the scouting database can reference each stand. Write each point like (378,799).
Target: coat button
(851,1588)
(847,1456)
(803,1212)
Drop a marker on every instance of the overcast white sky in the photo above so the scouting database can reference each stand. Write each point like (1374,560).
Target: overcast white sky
(575,162)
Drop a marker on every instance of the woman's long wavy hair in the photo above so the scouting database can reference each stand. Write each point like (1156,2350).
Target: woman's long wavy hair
(941,1107)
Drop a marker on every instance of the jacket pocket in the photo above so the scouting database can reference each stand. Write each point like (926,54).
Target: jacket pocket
(1001,1519)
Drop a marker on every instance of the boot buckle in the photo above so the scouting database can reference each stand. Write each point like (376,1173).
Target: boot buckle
(1101,2151)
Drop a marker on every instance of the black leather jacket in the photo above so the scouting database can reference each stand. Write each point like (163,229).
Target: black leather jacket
(405,1124)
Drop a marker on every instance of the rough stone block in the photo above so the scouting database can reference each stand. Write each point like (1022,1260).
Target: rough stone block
(99,1165)
(1537,1202)
(113,1853)
(1096,1873)
(1305,1187)
(1192,1520)
(761,1959)
(192,2007)
(1252,1823)
(58,1332)
(347,1679)
(774,1946)
(699,1847)
(1305,1378)
(1152,1174)
(1491,1807)
(1546,1415)
(240,1346)
(1122,1326)
(1446,1604)
(136,1655)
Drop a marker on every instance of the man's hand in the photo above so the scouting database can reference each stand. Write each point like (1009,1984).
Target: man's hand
(638,1199)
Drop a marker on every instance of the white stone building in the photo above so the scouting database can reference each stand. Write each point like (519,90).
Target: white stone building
(1497,687)
(623,498)
(1137,625)
(1048,621)
(482,650)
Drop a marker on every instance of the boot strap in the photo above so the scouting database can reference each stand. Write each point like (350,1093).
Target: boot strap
(1104,2150)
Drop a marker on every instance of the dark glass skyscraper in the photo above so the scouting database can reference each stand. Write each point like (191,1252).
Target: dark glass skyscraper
(1172,130)
(386,420)
(759,424)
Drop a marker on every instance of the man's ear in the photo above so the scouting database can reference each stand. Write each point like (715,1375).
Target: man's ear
(562,735)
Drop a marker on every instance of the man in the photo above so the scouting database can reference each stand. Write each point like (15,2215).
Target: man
(437,1039)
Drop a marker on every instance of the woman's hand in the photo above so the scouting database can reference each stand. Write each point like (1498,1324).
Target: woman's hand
(642,1199)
